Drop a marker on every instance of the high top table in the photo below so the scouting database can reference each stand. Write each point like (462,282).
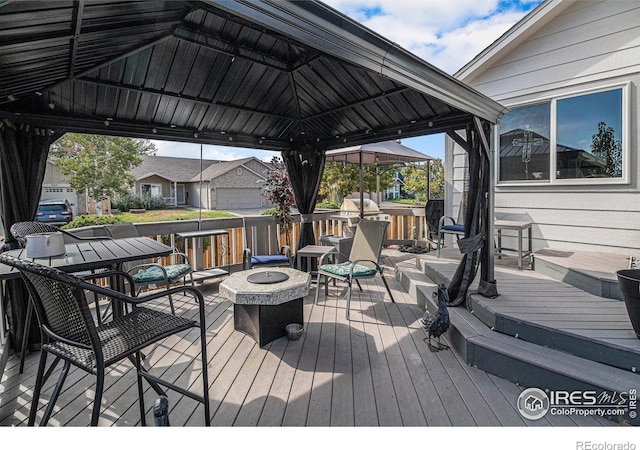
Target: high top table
(262,311)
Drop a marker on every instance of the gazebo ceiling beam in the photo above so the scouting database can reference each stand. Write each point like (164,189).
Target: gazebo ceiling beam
(79,12)
(358,103)
(220,45)
(144,90)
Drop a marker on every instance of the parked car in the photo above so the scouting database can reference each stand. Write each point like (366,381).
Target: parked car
(54,212)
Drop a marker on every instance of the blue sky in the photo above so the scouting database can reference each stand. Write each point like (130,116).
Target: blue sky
(447,34)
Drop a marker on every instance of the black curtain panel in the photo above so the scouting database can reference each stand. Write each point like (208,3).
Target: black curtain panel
(473,246)
(23,160)
(305,169)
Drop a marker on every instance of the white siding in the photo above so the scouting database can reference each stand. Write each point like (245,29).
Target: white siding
(588,45)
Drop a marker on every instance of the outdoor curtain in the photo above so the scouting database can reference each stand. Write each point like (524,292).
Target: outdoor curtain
(305,172)
(23,160)
(475,246)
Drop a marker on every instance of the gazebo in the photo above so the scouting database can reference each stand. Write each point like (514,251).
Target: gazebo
(295,77)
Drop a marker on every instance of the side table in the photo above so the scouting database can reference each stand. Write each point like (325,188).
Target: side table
(262,311)
(311,252)
(519,227)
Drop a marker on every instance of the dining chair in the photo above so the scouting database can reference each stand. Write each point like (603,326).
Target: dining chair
(363,260)
(262,246)
(20,231)
(70,334)
(153,273)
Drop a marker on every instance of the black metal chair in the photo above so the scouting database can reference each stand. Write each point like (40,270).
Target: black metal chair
(70,334)
(20,230)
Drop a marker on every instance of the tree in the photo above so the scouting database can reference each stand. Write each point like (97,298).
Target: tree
(340,180)
(415,180)
(605,146)
(278,190)
(99,164)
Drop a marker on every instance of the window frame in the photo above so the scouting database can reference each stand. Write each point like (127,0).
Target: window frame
(553,155)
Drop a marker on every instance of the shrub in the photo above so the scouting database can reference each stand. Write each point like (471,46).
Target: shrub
(88,221)
(328,204)
(125,202)
(271,212)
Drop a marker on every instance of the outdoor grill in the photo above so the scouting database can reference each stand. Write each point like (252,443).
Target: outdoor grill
(350,214)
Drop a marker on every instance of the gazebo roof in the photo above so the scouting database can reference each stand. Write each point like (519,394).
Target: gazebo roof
(265,74)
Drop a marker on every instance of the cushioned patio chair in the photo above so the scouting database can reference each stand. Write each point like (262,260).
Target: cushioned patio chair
(70,334)
(262,245)
(363,261)
(153,273)
(448,225)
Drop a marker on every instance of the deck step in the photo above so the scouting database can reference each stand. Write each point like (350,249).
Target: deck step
(589,271)
(519,361)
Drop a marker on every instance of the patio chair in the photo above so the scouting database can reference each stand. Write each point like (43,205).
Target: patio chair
(448,225)
(20,230)
(262,245)
(153,273)
(70,334)
(363,261)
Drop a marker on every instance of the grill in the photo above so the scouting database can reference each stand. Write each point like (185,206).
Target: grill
(350,214)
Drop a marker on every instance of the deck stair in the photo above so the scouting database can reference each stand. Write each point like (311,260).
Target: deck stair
(525,353)
(592,272)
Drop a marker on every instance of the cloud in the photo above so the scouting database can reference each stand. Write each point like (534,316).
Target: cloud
(447,34)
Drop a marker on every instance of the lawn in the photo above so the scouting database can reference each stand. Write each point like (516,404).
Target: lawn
(166,215)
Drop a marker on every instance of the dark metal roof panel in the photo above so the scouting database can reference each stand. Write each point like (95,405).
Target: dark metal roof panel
(260,73)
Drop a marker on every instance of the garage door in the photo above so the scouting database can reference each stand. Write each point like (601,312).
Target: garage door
(238,198)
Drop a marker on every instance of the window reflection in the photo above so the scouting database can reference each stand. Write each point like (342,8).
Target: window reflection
(589,136)
(587,142)
(524,143)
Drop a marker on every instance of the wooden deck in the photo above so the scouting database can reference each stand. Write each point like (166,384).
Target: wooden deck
(374,370)
(539,332)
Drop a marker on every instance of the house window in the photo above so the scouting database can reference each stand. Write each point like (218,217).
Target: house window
(565,140)
(239,171)
(152,189)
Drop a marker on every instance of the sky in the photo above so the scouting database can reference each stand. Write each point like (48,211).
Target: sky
(446,34)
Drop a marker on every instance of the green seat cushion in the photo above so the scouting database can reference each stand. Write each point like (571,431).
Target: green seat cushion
(154,273)
(342,269)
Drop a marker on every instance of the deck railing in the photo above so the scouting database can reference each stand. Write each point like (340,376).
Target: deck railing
(407,225)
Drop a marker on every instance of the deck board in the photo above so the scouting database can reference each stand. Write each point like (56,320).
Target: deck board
(374,370)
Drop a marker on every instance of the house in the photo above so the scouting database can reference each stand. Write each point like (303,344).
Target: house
(56,186)
(566,152)
(225,184)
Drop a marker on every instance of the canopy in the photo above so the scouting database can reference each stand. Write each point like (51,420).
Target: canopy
(388,152)
(380,153)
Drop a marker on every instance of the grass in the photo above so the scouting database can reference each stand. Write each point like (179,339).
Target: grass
(407,201)
(167,215)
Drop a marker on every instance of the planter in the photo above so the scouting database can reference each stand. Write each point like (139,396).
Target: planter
(629,282)
(137,210)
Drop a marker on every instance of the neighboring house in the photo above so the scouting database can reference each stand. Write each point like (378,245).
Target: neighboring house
(567,151)
(396,191)
(55,186)
(225,184)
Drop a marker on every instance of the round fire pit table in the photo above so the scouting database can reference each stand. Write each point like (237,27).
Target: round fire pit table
(263,309)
